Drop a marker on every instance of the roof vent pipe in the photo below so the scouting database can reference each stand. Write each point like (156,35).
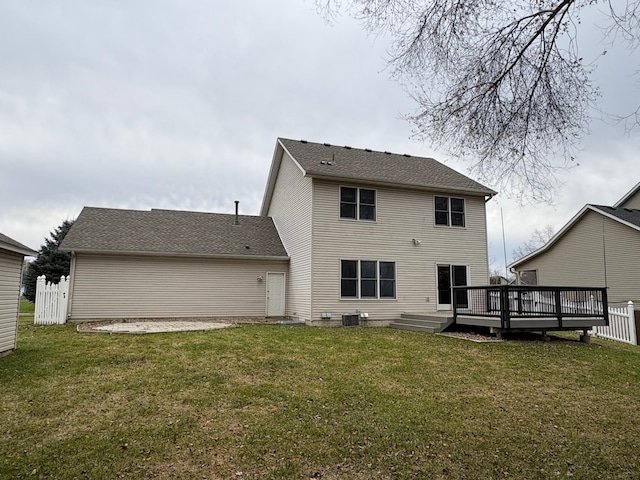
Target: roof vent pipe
(237,222)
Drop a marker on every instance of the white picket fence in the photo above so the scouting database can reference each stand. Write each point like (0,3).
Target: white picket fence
(622,325)
(51,301)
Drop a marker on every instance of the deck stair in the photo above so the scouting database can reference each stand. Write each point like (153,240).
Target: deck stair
(423,322)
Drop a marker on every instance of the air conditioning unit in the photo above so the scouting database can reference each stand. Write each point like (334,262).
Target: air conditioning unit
(351,320)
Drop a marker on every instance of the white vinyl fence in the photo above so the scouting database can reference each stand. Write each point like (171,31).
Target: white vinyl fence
(622,325)
(51,301)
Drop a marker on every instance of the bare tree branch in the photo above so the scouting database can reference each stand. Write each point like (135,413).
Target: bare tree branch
(500,83)
(539,238)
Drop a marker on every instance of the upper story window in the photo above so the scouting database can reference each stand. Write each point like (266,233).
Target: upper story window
(357,203)
(449,211)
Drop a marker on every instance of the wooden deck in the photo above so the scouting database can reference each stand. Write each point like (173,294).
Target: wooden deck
(506,308)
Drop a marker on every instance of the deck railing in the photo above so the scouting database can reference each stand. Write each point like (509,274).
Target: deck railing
(508,302)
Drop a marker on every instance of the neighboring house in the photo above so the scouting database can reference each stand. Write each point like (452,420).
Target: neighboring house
(500,280)
(599,247)
(341,231)
(12,256)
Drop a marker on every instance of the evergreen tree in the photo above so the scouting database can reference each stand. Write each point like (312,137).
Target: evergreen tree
(50,261)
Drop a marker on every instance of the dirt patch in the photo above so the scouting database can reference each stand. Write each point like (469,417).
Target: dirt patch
(473,337)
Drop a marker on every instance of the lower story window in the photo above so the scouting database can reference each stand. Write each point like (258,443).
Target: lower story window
(367,279)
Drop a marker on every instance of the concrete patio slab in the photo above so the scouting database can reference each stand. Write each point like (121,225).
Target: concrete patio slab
(153,327)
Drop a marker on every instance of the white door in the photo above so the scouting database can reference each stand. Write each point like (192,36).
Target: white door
(275,294)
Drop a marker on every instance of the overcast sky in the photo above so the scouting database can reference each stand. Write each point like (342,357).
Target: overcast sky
(178,104)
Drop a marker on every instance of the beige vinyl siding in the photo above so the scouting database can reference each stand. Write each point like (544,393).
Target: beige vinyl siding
(110,286)
(633,201)
(290,208)
(578,258)
(10,274)
(401,216)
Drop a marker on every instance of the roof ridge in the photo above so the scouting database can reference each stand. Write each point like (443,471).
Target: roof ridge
(349,147)
(200,212)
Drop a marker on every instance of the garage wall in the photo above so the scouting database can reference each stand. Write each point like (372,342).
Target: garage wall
(10,273)
(109,286)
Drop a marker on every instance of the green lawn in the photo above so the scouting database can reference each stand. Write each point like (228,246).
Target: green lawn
(26,306)
(264,401)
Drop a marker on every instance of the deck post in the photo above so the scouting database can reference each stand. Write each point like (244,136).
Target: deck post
(558,306)
(585,337)
(504,307)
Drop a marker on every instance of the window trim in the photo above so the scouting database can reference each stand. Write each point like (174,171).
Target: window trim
(449,212)
(378,280)
(358,204)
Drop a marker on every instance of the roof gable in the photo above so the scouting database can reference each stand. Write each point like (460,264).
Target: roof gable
(627,216)
(175,233)
(9,244)
(344,163)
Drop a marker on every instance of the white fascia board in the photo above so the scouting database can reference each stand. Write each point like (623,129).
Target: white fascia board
(27,252)
(628,195)
(271,179)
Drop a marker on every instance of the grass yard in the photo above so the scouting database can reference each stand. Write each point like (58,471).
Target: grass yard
(272,402)
(26,306)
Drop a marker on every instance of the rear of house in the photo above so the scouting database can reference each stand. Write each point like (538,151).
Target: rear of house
(341,231)
(374,233)
(12,255)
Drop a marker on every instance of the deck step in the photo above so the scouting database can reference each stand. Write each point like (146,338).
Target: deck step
(419,322)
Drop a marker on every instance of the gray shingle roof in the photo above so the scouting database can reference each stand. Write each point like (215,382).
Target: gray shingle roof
(170,232)
(8,243)
(629,215)
(379,167)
